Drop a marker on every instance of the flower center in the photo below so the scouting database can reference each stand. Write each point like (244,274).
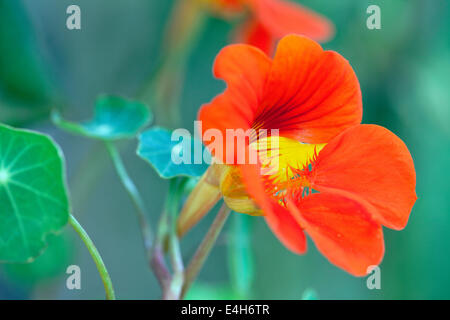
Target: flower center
(285,168)
(286,164)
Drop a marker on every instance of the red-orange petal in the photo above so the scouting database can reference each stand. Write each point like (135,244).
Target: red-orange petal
(342,230)
(252,32)
(311,95)
(279,220)
(282,18)
(244,69)
(371,165)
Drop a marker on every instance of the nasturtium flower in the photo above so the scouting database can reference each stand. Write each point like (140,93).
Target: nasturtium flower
(327,175)
(270,20)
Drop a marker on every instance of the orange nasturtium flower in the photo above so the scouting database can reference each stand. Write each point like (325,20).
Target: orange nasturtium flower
(270,20)
(333,178)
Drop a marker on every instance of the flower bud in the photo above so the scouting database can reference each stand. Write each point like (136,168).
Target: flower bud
(201,200)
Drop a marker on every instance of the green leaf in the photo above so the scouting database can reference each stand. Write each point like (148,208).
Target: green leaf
(26,91)
(52,263)
(157,147)
(240,255)
(33,196)
(114,118)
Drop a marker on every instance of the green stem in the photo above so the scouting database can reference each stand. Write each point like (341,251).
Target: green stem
(155,252)
(158,264)
(204,249)
(173,292)
(133,192)
(104,275)
(157,260)
(172,206)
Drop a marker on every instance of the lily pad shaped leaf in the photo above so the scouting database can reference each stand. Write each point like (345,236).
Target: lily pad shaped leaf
(114,118)
(33,194)
(49,265)
(173,154)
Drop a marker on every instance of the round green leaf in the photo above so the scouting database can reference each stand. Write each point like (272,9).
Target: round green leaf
(157,147)
(114,118)
(51,264)
(33,196)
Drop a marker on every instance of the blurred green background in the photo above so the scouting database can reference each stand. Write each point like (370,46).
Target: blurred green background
(404,71)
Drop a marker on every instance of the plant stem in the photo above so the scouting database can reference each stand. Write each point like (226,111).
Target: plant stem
(133,192)
(154,250)
(158,264)
(172,207)
(104,275)
(176,259)
(157,260)
(167,240)
(204,249)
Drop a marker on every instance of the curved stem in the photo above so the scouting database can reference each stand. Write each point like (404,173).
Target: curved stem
(155,253)
(172,206)
(158,264)
(104,275)
(157,260)
(204,249)
(173,292)
(133,192)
